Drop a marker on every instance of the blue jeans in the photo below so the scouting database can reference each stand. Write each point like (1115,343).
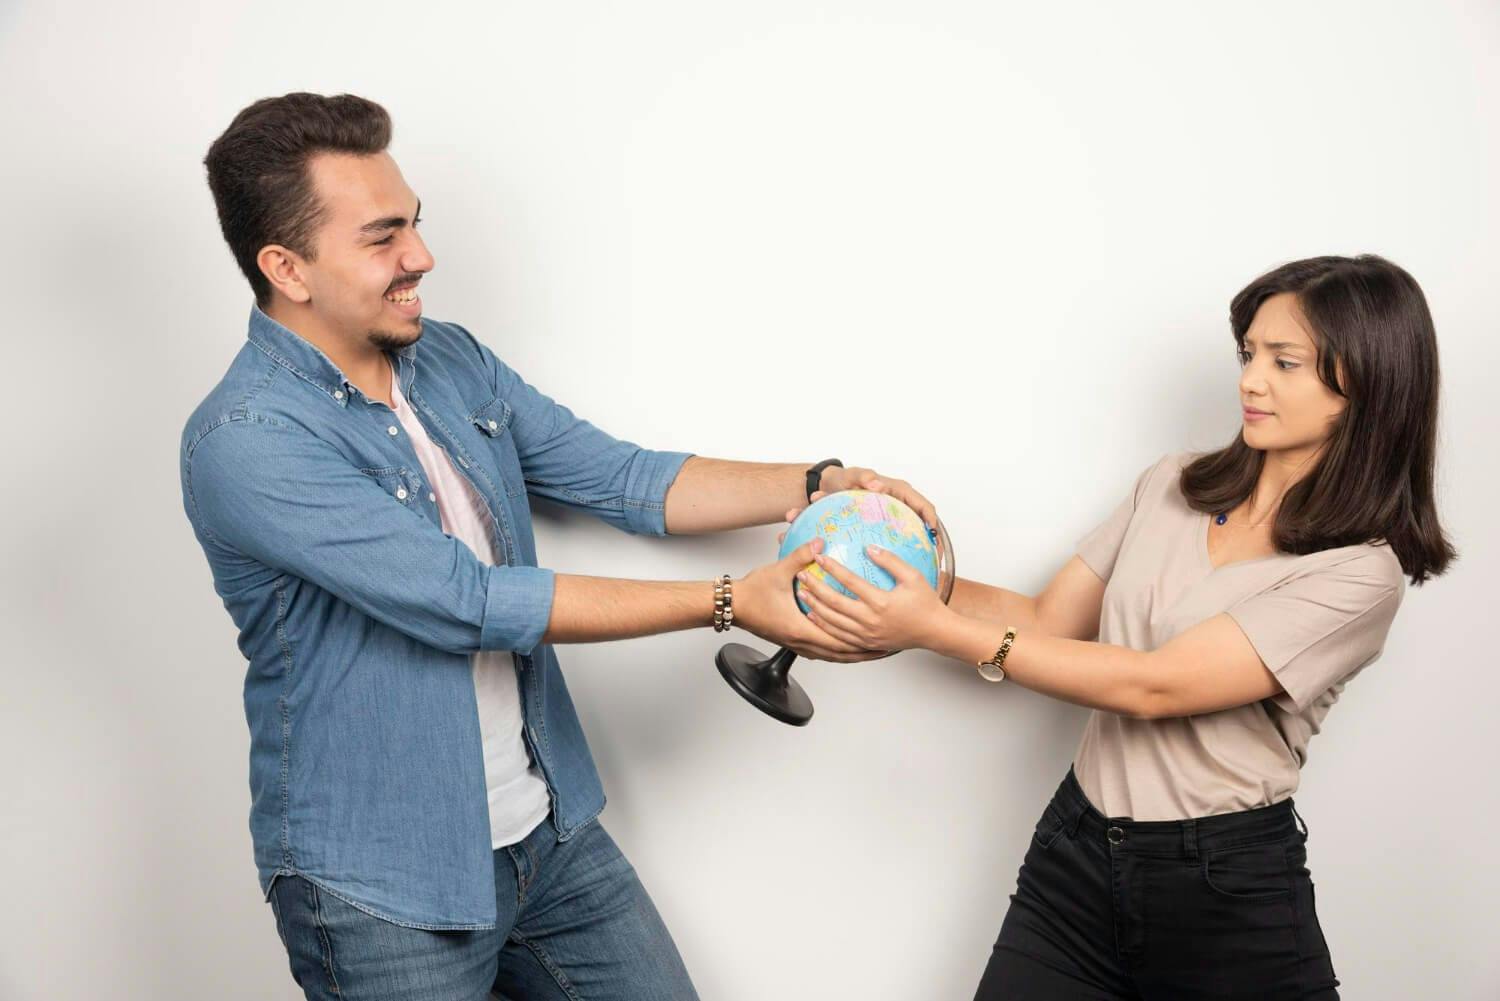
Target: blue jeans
(574,923)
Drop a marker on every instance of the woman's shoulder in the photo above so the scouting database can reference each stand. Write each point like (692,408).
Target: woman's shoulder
(1168,469)
(1369,563)
(1161,479)
(1178,461)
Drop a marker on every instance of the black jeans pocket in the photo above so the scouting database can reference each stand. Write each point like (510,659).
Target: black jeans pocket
(1049,827)
(1248,872)
(1311,945)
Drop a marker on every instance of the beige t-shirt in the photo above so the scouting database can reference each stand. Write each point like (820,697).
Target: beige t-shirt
(1316,621)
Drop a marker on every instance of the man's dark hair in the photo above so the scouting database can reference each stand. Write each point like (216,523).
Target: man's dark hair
(1375,479)
(257,170)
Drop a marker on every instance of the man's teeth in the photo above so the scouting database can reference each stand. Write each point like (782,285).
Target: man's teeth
(403,297)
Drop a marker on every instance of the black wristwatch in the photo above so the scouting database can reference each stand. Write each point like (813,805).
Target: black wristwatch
(815,475)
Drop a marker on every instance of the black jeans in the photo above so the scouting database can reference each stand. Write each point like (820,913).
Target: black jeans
(1220,907)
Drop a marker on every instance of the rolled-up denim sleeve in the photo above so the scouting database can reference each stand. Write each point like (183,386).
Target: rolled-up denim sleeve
(278,496)
(651,476)
(569,461)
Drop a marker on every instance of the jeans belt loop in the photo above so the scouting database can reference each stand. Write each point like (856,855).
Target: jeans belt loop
(1190,839)
(1300,822)
(1076,821)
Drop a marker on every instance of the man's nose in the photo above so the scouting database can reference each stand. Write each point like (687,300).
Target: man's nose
(418,258)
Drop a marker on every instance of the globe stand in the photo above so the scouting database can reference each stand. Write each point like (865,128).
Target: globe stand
(766,682)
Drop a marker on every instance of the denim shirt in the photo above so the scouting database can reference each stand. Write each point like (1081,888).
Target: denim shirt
(358,614)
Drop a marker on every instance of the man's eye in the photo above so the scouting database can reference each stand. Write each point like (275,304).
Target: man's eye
(386,240)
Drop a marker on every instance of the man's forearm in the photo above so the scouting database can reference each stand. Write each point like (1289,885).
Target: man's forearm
(595,609)
(715,495)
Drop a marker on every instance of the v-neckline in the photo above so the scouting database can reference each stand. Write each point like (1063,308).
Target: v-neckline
(1207,555)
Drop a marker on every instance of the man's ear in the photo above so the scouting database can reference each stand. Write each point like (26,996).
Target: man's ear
(283,268)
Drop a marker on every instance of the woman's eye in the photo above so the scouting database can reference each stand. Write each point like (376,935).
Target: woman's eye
(1281,363)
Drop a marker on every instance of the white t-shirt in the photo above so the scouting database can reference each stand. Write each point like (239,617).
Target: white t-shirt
(518,794)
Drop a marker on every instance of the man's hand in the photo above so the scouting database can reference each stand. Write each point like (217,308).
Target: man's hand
(858,478)
(764,605)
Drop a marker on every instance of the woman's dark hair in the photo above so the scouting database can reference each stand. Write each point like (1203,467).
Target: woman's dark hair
(257,170)
(1374,478)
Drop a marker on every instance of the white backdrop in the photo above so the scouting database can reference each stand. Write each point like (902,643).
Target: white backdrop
(986,248)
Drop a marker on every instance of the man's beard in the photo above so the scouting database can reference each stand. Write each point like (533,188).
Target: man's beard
(391,340)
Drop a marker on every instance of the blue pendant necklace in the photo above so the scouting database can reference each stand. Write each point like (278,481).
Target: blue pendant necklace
(1220,519)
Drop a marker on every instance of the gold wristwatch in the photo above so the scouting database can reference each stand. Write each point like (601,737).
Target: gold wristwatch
(994,668)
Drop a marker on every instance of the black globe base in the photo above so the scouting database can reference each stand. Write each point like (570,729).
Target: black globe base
(765,683)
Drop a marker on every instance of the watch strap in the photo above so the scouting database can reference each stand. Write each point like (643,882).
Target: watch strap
(815,476)
(994,668)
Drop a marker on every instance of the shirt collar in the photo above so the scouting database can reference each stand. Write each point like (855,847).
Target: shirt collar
(299,356)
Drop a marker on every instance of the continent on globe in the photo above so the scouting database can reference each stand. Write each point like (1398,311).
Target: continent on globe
(849,521)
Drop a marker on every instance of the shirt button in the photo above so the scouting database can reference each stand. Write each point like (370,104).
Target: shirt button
(401,493)
(493,425)
(392,431)
(338,394)
(432,497)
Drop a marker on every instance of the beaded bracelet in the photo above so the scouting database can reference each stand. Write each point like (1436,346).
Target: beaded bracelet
(723,604)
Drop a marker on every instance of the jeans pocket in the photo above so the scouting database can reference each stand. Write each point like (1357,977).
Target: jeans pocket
(1049,827)
(1248,872)
(1312,947)
(276,911)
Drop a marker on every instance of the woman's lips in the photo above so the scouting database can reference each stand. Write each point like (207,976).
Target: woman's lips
(1251,414)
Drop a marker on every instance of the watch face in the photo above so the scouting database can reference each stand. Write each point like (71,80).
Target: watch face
(989,672)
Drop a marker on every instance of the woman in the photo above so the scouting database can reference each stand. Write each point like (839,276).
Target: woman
(1233,594)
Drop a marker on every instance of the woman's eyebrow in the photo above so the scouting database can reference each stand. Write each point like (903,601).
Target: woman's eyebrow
(1278,345)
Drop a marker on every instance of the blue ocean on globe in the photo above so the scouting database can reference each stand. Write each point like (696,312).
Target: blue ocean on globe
(850,520)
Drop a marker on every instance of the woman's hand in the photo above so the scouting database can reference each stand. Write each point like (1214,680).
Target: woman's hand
(909,616)
(764,605)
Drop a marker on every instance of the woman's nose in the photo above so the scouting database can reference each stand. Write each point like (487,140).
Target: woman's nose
(1252,383)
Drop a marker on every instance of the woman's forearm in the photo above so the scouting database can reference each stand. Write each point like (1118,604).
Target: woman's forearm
(1116,679)
(994,605)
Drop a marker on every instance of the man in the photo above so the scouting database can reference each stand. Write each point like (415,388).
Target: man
(423,799)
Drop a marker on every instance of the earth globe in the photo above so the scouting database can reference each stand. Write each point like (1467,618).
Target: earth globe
(847,522)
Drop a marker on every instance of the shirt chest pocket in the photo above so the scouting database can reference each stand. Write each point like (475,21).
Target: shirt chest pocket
(404,486)
(494,443)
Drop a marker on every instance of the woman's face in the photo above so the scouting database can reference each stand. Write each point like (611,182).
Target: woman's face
(1286,406)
